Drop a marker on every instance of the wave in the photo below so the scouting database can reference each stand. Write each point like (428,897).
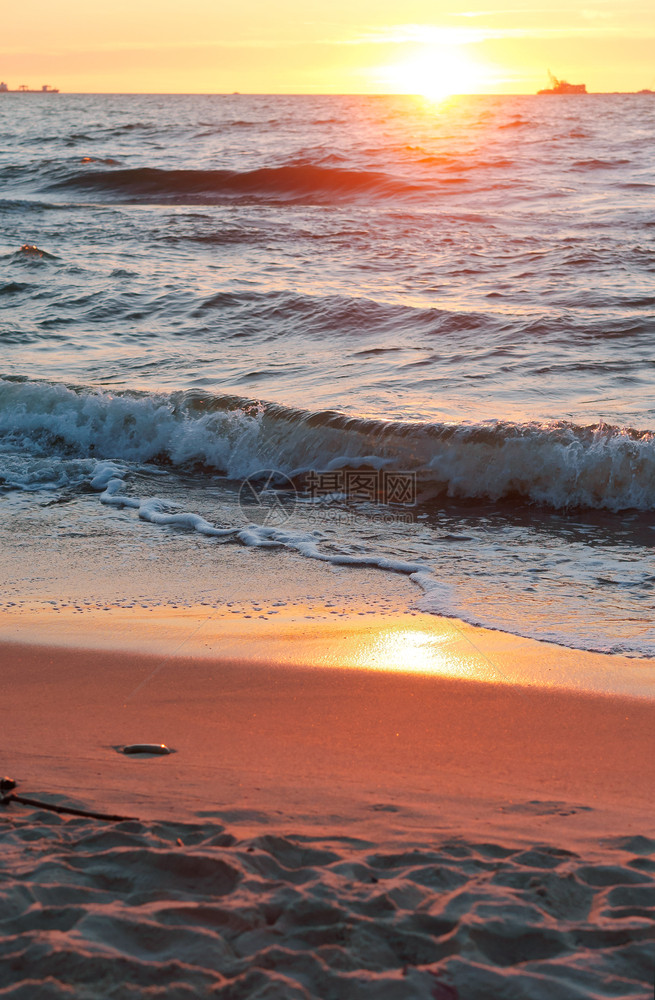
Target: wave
(332,314)
(559,464)
(23,205)
(296,182)
(517,122)
(598,164)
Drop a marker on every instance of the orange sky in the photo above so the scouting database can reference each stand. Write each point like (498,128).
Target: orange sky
(346,46)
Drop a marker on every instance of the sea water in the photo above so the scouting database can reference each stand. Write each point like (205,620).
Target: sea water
(373,331)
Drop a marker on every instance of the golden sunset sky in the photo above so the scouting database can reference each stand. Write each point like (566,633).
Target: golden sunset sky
(344,46)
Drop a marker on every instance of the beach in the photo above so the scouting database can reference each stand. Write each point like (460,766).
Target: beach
(333,822)
(327,464)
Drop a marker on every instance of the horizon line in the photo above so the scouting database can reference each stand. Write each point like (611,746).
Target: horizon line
(280,93)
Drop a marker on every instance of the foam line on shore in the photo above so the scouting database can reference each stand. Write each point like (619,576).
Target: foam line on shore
(257,536)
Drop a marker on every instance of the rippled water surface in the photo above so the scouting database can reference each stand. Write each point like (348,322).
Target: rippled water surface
(460,293)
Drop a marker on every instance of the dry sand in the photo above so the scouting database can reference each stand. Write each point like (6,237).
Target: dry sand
(472,819)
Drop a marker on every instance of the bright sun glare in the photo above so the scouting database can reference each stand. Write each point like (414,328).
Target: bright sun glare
(436,72)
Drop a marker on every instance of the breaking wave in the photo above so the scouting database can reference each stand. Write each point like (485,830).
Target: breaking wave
(559,464)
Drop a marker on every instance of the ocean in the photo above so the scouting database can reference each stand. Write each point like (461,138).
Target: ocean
(376,332)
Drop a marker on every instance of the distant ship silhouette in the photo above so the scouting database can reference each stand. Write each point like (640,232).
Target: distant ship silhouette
(562,87)
(24,89)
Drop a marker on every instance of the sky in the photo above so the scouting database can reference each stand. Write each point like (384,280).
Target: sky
(340,46)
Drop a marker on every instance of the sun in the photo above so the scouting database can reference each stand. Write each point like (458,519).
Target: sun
(435,72)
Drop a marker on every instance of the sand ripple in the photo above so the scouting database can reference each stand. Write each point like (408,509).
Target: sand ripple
(176,911)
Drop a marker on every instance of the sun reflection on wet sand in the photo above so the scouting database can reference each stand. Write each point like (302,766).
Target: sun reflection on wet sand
(416,651)
(308,638)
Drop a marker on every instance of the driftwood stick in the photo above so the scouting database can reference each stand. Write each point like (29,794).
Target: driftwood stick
(12,797)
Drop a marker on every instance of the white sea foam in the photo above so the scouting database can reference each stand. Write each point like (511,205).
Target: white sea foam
(159,512)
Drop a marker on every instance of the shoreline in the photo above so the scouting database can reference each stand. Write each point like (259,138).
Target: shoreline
(345,633)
